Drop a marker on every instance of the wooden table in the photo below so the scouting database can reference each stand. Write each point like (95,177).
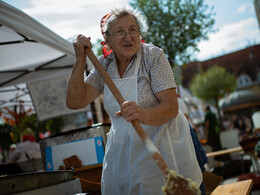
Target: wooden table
(222,152)
(90,178)
(237,188)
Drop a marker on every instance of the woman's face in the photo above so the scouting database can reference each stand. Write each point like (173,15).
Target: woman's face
(127,46)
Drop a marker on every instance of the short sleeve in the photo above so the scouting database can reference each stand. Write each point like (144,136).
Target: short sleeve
(162,77)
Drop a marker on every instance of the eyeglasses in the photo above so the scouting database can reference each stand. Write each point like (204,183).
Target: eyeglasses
(121,34)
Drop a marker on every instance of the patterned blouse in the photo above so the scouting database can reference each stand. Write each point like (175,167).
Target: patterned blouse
(155,74)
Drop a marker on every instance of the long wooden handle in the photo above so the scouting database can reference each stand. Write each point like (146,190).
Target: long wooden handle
(140,131)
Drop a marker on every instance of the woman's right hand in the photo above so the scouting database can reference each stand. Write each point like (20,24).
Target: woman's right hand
(80,44)
(79,93)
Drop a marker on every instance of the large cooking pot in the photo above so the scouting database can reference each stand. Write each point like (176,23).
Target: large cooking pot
(32,180)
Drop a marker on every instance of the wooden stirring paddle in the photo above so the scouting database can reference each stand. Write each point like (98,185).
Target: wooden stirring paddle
(175,184)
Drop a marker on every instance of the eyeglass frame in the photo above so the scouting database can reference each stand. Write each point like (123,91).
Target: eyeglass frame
(123,35)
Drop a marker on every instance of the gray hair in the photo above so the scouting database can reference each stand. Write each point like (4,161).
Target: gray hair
(117,13)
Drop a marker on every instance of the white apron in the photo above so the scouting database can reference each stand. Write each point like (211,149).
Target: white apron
(128,167)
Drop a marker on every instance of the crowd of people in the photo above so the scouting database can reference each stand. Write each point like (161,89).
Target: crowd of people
(211,127)
(208,130)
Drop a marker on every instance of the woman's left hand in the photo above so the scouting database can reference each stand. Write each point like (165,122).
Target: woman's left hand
(131,111)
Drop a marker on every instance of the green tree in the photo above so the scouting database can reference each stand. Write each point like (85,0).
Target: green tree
(31,121)
(177,26)
(212,85)
(97,47)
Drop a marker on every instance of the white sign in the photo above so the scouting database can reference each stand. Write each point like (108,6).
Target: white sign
(49,98)
(90,151)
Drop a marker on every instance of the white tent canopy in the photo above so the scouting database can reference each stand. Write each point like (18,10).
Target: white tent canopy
(29,52)
(27,47)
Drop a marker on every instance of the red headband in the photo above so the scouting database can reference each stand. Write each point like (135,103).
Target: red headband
(103,22)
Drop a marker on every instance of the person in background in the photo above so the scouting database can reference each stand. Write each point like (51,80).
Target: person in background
(239,124)
(211,128)
(145,79)
(26,150)
(12,148)
(248,126)
(226,123)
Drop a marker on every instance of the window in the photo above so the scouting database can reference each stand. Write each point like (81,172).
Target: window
(258,76)
(244,80)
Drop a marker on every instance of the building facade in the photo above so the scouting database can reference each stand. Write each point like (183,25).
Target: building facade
(245,65)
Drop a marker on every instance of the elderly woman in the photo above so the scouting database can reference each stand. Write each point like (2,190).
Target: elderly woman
(144,77)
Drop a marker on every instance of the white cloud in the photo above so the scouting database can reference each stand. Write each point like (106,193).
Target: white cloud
(247,7)
(68,18)
(230,38)
(69,6)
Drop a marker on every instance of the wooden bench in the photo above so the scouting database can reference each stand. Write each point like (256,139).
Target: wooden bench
(237,188)
(253,158)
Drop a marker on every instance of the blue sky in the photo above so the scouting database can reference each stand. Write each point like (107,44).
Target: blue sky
(236,21)
(237,27)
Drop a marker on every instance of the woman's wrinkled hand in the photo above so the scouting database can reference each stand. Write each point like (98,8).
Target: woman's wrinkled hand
(80,44)
(131,111)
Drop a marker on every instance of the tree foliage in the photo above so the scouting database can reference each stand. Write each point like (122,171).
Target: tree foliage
(31,121)
(213,84)
(97,47)
(177,26)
